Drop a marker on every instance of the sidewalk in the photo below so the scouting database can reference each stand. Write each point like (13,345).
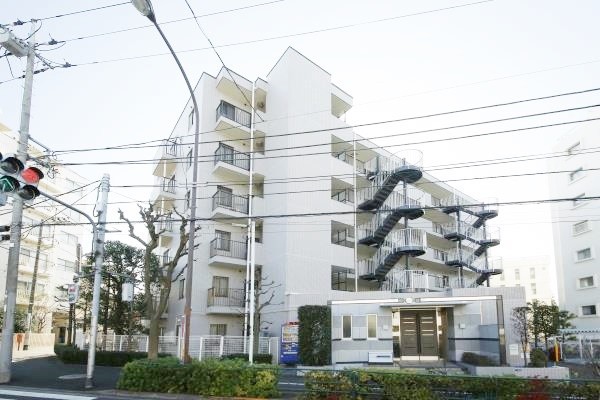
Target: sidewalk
(33,352)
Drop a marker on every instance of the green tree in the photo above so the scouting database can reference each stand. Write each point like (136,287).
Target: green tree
(520,322)
(20,320)
(546,320)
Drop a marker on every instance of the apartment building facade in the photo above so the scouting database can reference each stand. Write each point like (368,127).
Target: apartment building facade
(535,274)
(339,221)
(575,229)
(57,240)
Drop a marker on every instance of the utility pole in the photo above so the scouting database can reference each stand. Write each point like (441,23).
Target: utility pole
(32,292)
(72,307)
(101,208)
(12,269)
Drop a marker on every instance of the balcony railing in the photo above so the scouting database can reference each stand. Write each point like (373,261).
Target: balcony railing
(165,224)
(228,248)
(344,196)
(170,147)
(348,159)
(168,185)
(440,255)
(227,155)
(343,238)
(233,113)
(224,297)
(230,201)
(401,280)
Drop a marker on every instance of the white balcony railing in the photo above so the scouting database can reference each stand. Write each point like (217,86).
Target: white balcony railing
(401,280)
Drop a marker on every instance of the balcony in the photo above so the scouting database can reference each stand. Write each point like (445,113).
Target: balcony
(400,281)
(26,266)
(232,121)
(164,194)
(225,301)
(227,253)
(23,296)
(231,164)
(227,205)
(345,196)
(346,157)
(167,158)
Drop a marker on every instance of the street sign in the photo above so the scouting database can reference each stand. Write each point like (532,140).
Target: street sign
(73,293)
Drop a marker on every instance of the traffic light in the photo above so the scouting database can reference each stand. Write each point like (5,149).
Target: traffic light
(4,228)
(18,179)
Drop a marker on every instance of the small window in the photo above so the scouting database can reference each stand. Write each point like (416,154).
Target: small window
(188,195)
(588,310)
(533,289)
(574,149)
(517,274)
(189,160)
(372,326)
(181,289)
(580,227)
(578,200)
(220,286)
(64,265)
(532,273)
(586,282)
(575,175)
(191,119)
(584,254)
(218,329)
(346,327)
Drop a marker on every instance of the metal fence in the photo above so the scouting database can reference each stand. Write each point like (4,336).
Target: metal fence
(579,350)
(201,347)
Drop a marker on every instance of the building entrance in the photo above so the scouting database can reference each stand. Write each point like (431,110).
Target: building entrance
(415,334)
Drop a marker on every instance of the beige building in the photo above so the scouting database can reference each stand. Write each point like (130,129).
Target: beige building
(536,274)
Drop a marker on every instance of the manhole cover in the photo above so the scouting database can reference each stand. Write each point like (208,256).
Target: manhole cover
(72,376)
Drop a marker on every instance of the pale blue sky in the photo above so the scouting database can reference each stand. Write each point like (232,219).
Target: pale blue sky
(398,68)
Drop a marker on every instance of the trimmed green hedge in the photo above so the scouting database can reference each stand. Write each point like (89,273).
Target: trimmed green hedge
(206,378)
(348,384)
(314,335)
(73,355)
(259,358)
(478,360)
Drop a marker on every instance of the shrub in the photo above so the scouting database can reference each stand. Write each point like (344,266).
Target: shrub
(478,360)
(314,335)
(73,355)
(230,378)
(259,358)
(538,358)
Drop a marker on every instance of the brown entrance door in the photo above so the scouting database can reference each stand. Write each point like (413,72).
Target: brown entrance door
(418,330)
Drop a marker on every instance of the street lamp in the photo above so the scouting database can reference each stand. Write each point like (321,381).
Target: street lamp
(145,8)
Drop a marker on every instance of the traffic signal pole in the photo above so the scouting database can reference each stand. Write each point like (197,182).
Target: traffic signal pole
(32,291)
(12,272)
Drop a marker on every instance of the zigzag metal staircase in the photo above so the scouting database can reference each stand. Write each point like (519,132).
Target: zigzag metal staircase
(469,230)
(389,207)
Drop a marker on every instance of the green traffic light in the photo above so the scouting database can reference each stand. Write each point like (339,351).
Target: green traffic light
(8,184)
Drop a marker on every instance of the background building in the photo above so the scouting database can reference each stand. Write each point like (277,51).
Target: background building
(536,274)
(58,256)
(335,214)
(576,228)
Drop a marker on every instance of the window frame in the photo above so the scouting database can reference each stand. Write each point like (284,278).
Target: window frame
(342,327)
(593,285)
(369,337)
(582,314)
(586,225)
(217,329)
(181,289)
(591,257)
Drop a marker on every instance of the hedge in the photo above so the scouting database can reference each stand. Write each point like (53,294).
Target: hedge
(314,335)
(478,360)
(73,355)
(228,378)
(259,358)
(348,384)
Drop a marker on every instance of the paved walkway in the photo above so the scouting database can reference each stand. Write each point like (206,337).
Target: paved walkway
(33,352)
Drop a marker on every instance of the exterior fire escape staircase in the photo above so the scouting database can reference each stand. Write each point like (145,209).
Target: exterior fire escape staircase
(472,230)
(390,204)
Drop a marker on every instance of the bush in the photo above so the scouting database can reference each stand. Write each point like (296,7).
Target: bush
(538,358)
(259,358)
(228,378)
(478,360)
(73,355)
(314,335)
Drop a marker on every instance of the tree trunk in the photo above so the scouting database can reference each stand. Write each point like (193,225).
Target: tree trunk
(153,339)
(256,332)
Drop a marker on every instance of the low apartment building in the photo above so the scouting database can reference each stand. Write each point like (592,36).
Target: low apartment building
(535,274)
(337,219)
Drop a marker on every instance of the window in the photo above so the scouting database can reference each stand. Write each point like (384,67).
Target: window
(346,327)
(191,119)
(70,239)
(578,201)
(220,286)
(223,240)
(580,227)
(165,257)
(218,329)
(372,326)
(181,289)
(532,273)
(575,175)
(533,289)
(517,274)
(574,149)
(586,282)
(189,159)
(584,254)
(588,310)
(188,195)
(65,265)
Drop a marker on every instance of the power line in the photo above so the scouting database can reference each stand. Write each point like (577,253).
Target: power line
(82,11)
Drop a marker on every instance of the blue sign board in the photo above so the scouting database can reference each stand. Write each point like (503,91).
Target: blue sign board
(289,343)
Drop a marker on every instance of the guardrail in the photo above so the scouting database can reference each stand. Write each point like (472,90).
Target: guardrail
(228,248)
(227,155)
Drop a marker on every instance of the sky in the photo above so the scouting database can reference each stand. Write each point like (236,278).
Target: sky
(397,59)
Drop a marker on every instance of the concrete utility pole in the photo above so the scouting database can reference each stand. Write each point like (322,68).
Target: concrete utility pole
(32,291)
(101,208)
(12,270)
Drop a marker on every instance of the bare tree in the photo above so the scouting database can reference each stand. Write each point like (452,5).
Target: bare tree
(157,275)
(263,297)
(520,322)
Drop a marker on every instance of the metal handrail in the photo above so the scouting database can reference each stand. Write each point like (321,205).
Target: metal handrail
(399,280)
(226,297)
(229,111)
(168,185)
(348,159)
(229,156)
(344,196)
(228,248)
(170,147)
(230,201)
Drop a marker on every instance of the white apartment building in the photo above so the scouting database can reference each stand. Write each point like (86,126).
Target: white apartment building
(576,228)
(534,273)
(58,244)
(399,256)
